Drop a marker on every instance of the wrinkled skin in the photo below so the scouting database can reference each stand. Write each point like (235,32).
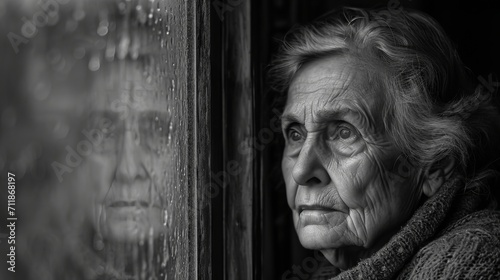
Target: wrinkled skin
(342,171)
(130,166)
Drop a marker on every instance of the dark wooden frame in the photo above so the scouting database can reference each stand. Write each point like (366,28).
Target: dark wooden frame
(198,29)
(240,197)
(236,250)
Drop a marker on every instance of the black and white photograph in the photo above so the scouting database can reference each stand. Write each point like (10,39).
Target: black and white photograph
(249,139)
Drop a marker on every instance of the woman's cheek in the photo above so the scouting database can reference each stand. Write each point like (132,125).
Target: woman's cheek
(354,177)
(287,164)
(346,150)
(101,172)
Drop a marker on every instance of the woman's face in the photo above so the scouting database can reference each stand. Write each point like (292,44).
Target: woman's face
(347,185)
(132,161)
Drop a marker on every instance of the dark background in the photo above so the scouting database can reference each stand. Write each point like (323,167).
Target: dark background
(474,28)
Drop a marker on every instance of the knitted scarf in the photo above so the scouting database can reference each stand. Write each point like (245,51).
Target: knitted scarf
(446,238)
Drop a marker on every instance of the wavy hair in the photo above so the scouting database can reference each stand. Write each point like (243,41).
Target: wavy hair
(433,109)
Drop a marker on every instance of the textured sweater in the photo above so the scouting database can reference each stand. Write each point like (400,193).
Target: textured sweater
(451,236)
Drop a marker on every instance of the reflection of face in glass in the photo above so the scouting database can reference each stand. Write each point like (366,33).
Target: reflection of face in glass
(130,162)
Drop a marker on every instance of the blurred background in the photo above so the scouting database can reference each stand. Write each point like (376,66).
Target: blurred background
(94,120)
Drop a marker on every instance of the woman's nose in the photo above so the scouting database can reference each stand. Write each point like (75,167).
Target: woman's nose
(130,165)
(309,169)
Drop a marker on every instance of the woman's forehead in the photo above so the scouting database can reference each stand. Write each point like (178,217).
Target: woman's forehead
(128,87)
(331,80)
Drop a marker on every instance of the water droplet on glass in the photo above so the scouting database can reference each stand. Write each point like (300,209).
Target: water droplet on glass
(165,217)
(95,63)
(102,30)
(98,243)
(122,7)
(141,238)
(123,46)
(172,85)
(110,50)
(100,269)
(141,14)
(60,130)
(134,48)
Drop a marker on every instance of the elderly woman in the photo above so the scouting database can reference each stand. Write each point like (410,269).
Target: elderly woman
(381,166)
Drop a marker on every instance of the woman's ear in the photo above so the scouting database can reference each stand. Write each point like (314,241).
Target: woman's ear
(438,173)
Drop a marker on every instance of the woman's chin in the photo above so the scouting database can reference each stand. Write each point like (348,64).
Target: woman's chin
(340,250)
(129,231)
(131,224)
(316,237)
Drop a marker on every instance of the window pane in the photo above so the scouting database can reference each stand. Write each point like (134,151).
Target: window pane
(96,128)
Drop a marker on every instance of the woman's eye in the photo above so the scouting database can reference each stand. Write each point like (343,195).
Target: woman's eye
(295,136)
(345,133)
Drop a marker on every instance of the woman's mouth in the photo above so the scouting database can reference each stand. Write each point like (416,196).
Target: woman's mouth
(122,203)
(315,208)
(315,214)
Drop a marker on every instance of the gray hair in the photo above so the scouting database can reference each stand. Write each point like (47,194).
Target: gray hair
(433,110)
